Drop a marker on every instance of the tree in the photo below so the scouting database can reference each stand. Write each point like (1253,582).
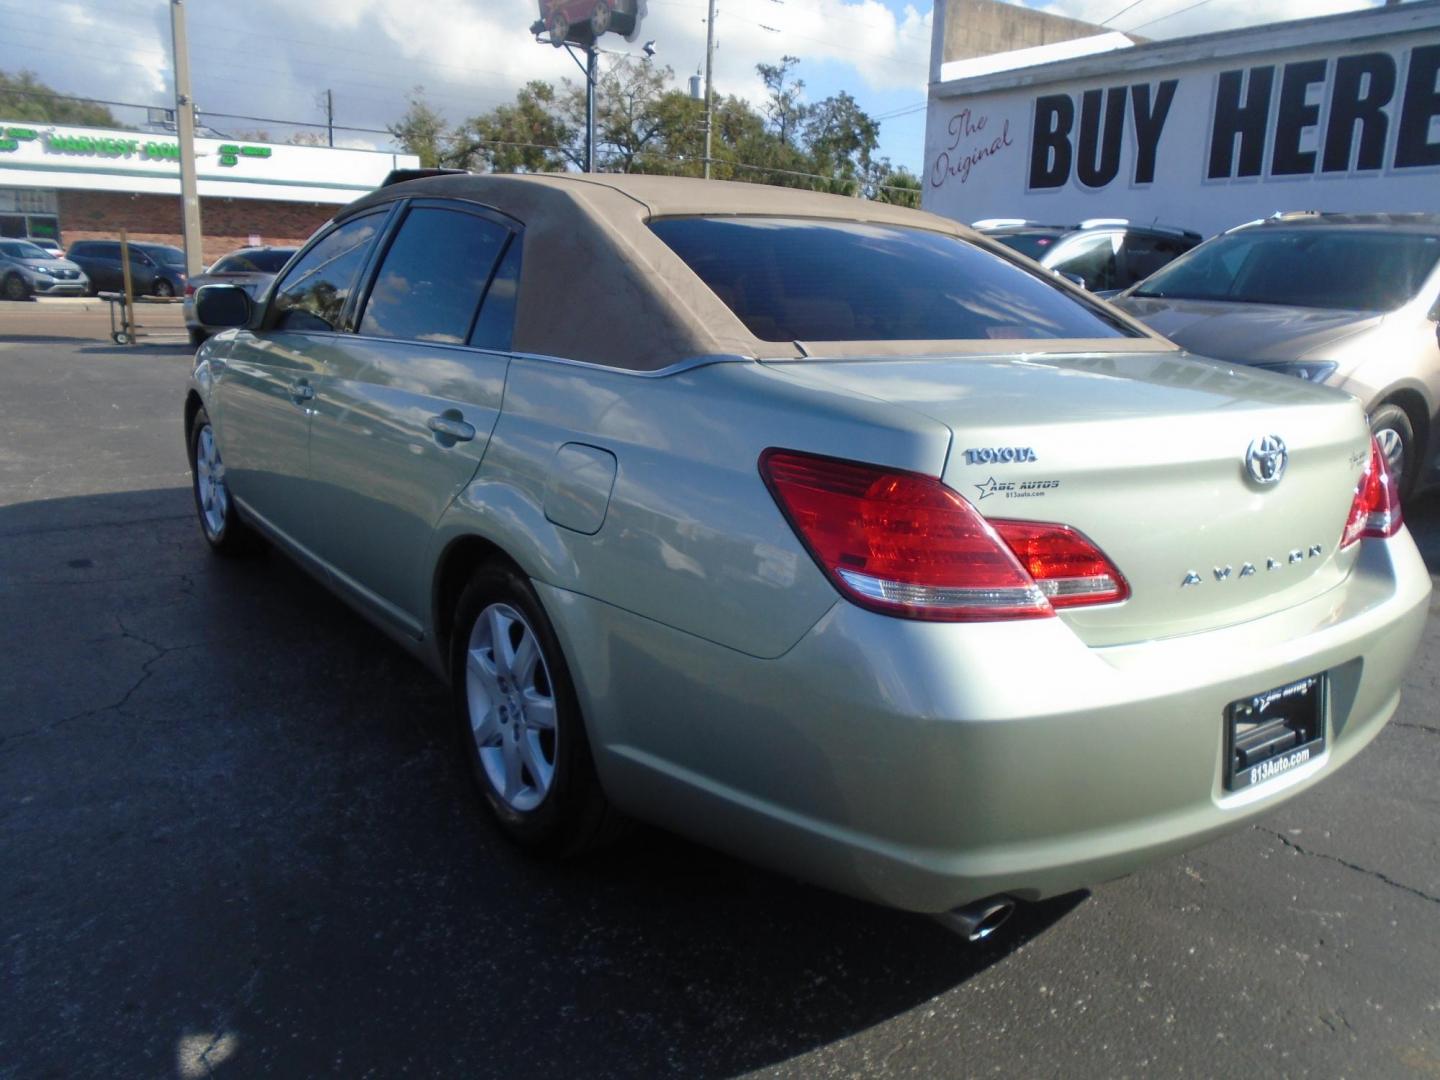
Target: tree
(840,137)
(422,131)
(644,123)
(24,97)
(785,107)
(899,186)
(533,134)
(309,137)
(630,112)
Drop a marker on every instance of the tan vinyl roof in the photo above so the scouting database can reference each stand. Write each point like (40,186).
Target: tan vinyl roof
(637,305)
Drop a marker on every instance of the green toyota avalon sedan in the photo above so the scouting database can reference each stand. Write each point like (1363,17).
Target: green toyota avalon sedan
(826,532)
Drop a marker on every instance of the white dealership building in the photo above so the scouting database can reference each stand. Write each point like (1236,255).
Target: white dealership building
(1333,113)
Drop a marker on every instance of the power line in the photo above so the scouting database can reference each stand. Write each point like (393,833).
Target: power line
(76,97)
(1172,14)
(1122,11)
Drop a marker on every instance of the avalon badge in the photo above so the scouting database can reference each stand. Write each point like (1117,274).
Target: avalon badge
(1266,459)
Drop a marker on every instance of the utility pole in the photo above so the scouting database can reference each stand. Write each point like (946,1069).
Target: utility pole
(330,115)
(592,76)
(709,88)
(185,129)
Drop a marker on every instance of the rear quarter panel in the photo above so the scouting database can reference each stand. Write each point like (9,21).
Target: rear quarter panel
(691,537)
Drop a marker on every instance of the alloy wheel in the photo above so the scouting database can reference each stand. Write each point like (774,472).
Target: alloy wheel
(210,490)
(512,710)
(1392,445)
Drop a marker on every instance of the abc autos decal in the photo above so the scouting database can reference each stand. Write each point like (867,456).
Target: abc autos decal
(1205,145)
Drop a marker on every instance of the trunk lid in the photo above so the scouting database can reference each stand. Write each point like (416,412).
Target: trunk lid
(1147,455)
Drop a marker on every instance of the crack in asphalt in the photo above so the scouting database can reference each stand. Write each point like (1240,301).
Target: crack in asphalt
(1376,874)
(1418,727)
(146,670)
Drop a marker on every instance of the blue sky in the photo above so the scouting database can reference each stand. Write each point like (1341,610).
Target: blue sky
(275,58)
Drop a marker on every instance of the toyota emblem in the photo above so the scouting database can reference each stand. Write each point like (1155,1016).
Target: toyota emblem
(1266,459)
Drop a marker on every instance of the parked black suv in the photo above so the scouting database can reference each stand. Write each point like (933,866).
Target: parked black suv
(154,268)
(1108,254)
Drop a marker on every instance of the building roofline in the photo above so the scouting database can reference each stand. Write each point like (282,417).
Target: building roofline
(1348,26)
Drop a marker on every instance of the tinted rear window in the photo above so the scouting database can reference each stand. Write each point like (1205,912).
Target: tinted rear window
(797,279)
(254,262)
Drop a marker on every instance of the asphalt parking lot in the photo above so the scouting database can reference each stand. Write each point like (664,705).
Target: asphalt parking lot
(235,839)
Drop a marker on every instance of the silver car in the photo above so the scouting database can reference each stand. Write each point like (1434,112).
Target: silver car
(251,268)
(27,270)
(1349,300)
(823,531)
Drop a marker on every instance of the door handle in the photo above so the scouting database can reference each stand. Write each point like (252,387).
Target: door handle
(451,427)
(301,392)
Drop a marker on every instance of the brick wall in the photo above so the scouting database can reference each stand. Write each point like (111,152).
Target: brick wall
(225,223)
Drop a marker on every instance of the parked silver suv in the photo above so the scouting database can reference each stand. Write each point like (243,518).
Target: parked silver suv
(27,270)
(824,531)
(1349,300)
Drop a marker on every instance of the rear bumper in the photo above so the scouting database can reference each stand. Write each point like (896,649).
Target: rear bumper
(924,765)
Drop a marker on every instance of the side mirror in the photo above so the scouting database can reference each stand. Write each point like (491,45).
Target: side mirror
(223,306)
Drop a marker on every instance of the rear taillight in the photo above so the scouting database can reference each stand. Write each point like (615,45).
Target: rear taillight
(1069,569)
(189,290)
(905,544)
(1376,509)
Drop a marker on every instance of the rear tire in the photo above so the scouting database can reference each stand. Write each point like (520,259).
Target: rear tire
(1390,424)
(219,520)
(519,720)
(164,288)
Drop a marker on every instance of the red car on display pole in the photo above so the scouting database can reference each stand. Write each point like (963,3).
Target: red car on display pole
(581,21)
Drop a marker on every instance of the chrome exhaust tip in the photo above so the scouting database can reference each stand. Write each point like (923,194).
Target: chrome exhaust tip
(976,921)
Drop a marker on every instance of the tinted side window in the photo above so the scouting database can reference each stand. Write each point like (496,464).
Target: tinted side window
(806,279)
(1092,258)
(313,294)
(432,277)
(1146,254)
(495,329)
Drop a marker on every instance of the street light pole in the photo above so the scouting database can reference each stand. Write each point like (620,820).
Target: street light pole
(709,89)
(185,129)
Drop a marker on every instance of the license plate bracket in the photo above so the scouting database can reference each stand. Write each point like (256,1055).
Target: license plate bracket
(1270,733)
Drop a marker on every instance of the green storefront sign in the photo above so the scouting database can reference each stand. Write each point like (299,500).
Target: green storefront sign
(229,154)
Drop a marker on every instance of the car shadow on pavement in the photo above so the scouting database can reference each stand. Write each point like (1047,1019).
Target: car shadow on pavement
(143,347)
(236,830)
(1422,515)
